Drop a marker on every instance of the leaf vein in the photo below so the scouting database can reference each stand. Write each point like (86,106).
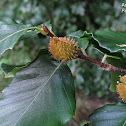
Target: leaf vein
(37,94)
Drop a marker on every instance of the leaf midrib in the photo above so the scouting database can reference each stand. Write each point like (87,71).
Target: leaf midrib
(38,93)
(16,33)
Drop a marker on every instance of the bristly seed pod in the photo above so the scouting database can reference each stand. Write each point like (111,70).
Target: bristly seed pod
(123,79)
(63,48)
(121,88)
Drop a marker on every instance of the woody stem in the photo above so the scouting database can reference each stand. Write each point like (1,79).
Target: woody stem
(107,67)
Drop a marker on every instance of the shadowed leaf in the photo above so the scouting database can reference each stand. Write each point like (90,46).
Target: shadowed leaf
(109,115)
(42,94)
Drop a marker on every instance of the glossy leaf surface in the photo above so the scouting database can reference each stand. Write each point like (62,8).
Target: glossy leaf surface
(109,115)
(42,94)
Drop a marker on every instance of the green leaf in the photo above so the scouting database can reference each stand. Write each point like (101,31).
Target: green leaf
(82,38)
(109,115)
(8,22)
(76,34)
(83,42)
(80,35)
(11,70)
(9,35)
(42,94)
(115,75)
(116,55)
(31,33)
(48,25)
(11,32)
(87,34)
(111,40)
(38,29)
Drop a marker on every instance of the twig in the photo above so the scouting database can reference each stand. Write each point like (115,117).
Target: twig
(107,67)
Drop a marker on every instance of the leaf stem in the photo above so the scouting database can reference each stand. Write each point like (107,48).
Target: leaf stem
(104,58)
(84,52)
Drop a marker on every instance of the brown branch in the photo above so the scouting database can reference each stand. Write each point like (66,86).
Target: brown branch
(107,67)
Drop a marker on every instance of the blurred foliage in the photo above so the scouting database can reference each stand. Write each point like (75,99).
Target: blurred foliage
(66,17)
(89,78)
